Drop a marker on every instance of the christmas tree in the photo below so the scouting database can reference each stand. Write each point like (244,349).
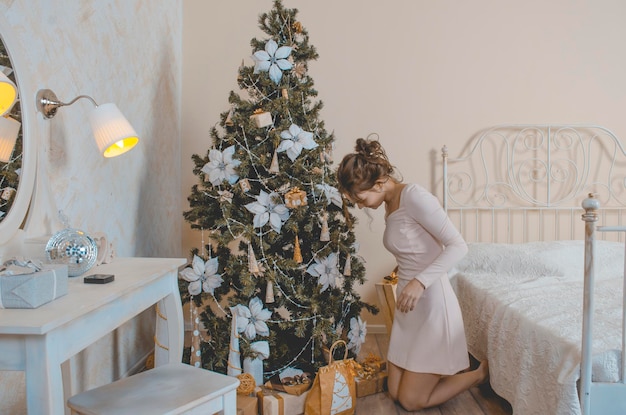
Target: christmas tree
(275,278)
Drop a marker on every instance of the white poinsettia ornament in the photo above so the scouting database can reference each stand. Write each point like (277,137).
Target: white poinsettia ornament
(202,276)
(294,140)
(326,270)
(251,320)
(266,209)
(273,60)
(357,333)
(221,166)
(331,193)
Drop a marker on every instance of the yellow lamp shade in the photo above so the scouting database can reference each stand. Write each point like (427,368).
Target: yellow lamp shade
(113,133)
(8,94)
(9,130)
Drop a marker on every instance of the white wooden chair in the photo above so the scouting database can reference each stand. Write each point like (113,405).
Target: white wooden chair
(175,388)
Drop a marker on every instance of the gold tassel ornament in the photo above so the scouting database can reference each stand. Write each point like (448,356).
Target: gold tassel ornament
(347,269)
(229,118)
(297,254)
(274,168)
(325,233)
(253,265)
(269,292)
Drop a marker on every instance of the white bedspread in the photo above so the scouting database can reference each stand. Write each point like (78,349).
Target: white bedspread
(522,307)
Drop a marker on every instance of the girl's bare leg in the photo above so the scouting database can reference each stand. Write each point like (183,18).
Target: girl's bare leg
(415,391)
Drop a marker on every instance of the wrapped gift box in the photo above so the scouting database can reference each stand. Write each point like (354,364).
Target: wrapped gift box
(35,289)
(262,119)
(372,385)
(247,405)
(291,388)
(272,402)
(371,376)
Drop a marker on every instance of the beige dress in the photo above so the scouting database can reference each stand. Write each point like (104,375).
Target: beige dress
(425,243)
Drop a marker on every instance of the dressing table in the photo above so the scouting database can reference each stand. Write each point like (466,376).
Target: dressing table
(38,341)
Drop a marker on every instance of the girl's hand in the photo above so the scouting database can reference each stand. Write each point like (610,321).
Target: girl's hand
(410,296)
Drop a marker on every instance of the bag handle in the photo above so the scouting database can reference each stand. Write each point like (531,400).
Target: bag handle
(345,353)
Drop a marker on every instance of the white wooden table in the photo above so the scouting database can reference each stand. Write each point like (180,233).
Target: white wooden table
(39,340)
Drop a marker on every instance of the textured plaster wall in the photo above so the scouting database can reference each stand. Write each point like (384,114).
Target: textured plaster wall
(126,52)
(122,51)
(419,73)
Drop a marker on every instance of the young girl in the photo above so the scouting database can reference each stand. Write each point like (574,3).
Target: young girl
(427,349)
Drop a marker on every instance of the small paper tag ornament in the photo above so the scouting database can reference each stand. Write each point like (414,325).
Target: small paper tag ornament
(262,118)
(295,198)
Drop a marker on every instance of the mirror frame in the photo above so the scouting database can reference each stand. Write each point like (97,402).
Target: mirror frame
(16,216)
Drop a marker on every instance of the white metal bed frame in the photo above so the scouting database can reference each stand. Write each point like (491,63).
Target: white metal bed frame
(518,183)
(598,397)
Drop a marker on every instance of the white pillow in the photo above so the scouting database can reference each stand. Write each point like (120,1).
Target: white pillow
(538,259)
(504,259)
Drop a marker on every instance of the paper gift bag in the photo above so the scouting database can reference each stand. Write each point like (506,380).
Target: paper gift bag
(334,389)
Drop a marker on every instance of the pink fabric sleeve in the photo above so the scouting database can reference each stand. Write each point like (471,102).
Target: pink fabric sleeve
(428,212)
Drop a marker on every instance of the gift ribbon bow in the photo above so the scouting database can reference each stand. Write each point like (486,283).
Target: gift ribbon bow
(370,366)
(391,279)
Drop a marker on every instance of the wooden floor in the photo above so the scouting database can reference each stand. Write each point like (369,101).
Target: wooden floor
(477,401)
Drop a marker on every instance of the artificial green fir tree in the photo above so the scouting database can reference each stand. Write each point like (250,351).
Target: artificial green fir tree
(279,266)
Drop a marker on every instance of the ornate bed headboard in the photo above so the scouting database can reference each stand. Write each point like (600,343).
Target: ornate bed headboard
(520,183)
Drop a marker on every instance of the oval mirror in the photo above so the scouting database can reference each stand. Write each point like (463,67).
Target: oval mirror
(17,164)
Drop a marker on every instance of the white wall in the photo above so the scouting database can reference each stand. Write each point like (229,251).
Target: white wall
(122,51)
(126,52)
(419,73)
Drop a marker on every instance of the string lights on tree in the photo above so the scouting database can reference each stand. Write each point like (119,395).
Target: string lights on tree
(282,265)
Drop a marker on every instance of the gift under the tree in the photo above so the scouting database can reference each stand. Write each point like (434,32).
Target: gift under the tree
(372,385)
(20,288)
(272,402)
(297,384)
(247,405)
(371,376)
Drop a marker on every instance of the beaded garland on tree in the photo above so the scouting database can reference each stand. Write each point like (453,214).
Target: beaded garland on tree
(276,283)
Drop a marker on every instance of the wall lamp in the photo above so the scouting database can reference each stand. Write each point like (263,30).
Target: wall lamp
(113,133)
(9,130)
(8,93)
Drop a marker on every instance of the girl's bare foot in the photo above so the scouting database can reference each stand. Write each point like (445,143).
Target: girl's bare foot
(483,370)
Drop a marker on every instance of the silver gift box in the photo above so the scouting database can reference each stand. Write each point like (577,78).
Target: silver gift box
(34,290)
